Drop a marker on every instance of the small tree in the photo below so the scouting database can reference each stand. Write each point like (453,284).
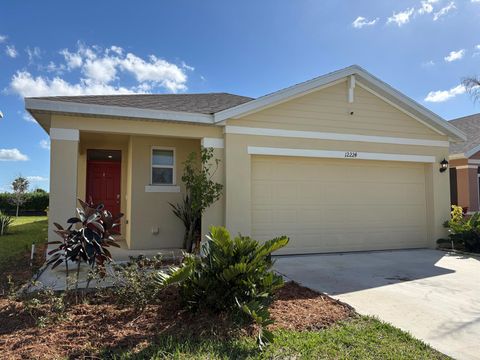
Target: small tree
(20,188)
(201,193)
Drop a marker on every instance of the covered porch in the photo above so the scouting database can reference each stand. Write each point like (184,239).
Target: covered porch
(136,174)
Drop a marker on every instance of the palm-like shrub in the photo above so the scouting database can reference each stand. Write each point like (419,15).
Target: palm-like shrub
(234,275)
(5,222)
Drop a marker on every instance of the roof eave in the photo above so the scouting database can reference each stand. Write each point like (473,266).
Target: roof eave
(263,102)
(32,104)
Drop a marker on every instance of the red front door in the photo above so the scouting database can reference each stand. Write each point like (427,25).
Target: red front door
(103,184)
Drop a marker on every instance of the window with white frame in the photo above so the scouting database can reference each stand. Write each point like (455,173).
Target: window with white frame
(163,166)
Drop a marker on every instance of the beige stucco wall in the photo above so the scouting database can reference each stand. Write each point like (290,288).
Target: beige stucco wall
(63,183)
(151,210)
(328,110)
(145,212)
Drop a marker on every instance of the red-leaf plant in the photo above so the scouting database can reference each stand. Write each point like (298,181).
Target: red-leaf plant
(86,238)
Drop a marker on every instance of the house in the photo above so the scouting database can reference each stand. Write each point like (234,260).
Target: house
(464,161)
(342,162)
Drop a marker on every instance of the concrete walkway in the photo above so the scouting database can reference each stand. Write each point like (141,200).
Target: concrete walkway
(431,294)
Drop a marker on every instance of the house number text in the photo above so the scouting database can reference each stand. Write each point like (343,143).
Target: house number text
(351,154)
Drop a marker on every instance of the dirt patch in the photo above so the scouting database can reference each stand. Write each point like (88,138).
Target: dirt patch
(99,324)
(19,269)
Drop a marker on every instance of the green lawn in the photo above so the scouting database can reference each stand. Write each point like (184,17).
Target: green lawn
(360,338)
(15,246)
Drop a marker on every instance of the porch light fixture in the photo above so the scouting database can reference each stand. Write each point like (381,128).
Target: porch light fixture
(443,165)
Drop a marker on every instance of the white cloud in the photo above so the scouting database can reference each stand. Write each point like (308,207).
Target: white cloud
(26,116)
(73,60)
(427,6)
(26,85)
(36,178)
(444,95)
(11,51)
(444,11)
(429,63)
(454,55)
(360,22)
(33,53)
(12,155)
(475,1)
(100,71)
(401,18)
(45,144)
(3,38)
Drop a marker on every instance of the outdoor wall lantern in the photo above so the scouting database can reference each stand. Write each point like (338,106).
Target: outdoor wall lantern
(443,165)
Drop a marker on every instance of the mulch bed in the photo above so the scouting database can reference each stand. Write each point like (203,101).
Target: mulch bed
(19,269)
(101,324)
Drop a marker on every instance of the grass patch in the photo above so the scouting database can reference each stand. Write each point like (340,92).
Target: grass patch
(359,338)
(15,246)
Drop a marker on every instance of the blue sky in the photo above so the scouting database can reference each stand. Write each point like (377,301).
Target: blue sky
(249,47)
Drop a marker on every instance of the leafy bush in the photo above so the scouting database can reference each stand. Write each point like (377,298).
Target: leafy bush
(134,283)
(34,202)
(46,307)
(5,222)
(201,193)
(233,275)
(86,239)
(464,231)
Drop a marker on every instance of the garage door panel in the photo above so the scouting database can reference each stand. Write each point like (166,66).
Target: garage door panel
(338,205)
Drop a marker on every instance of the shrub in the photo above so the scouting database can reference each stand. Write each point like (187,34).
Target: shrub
(234,275)
(86,239)
(35,202)
(464,231)
(46,307)
(5,222)
(201,193)
(134,283)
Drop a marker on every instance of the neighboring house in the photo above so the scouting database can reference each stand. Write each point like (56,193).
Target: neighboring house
(342,162)
(464,164)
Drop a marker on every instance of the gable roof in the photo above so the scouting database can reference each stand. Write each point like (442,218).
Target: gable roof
(209,103)
(362,78)
(215,108)
(470,125)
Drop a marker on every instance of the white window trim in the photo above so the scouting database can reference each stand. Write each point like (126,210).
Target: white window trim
(174,175)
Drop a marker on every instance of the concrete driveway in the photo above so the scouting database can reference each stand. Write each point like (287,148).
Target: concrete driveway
(431,294)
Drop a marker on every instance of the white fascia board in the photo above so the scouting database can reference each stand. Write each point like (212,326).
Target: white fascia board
(118,111)
(348,155)
(285,94)
(457,156)
(329,80)
(436,120)
(472,151)
(242,130)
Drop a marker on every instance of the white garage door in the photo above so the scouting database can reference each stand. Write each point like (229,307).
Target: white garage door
(327,205)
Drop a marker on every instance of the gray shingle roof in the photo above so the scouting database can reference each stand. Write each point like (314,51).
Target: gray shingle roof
(470,125)
(192,103)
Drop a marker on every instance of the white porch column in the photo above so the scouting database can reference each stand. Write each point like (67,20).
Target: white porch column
(215,214)
(63,177)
